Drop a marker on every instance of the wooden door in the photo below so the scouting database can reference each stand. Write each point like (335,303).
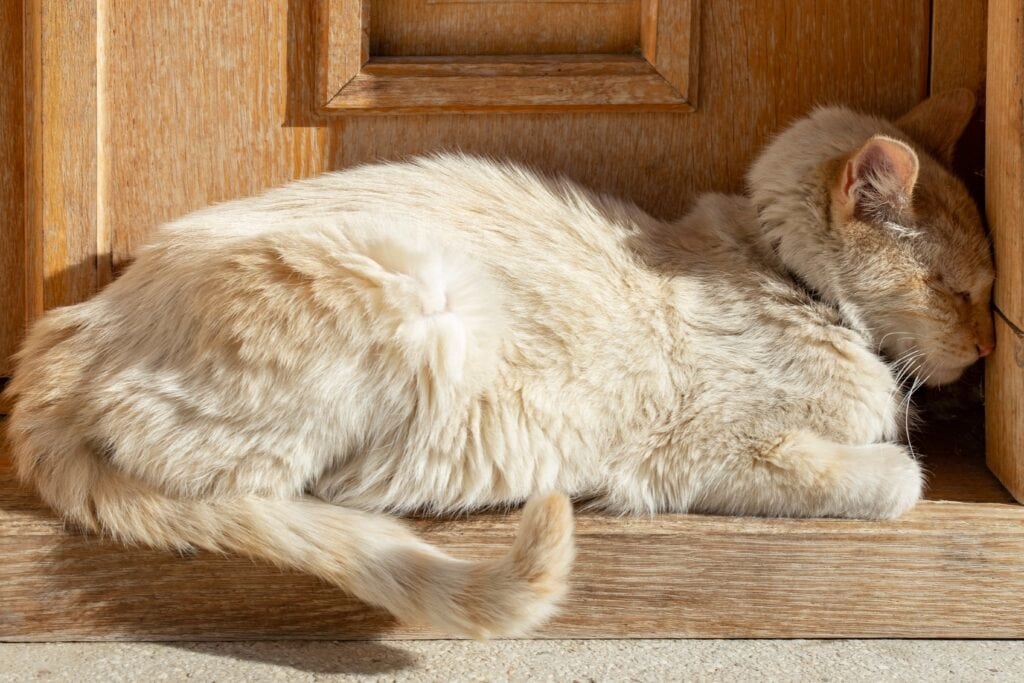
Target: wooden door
(1004,182)
(137,112)
(117,115)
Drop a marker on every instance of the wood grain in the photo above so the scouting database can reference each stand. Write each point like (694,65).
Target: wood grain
(1004,407)
(1004,195)
(1004,153)
(13,266)
(525,2)
(959,30)
(649,30)
(558,83)
(343,41)
(60,139)
(762,65)
(239,95)
(534,41)
(677,40)
(952,568)
(235,112)
(401,28)
(237,108)
(200,102)
(959,37)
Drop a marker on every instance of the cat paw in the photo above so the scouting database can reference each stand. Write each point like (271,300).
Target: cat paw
(887,481)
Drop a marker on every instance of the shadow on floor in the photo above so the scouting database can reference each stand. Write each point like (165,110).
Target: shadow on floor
(322,657)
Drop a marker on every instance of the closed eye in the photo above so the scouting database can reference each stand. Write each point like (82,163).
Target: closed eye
(938,284)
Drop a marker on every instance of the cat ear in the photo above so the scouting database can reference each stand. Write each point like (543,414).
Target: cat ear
(937,123)
(878,180)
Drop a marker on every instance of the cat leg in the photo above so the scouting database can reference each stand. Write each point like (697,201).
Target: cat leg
(797,474)
(803,475)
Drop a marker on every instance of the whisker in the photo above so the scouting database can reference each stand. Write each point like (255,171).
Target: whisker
(918,383)
(903,335)
(904,365)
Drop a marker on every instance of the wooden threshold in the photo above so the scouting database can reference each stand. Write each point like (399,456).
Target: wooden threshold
(953,568)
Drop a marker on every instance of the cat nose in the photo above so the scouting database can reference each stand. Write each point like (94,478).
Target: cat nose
(984,349)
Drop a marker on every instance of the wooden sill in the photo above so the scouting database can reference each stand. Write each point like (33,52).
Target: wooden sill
(953,568)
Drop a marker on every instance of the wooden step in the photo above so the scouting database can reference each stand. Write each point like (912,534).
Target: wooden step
(953,568)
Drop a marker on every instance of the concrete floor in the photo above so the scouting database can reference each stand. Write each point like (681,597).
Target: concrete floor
(574,660)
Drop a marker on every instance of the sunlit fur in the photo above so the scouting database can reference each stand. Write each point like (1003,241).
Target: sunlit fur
(449,333)
(909,265)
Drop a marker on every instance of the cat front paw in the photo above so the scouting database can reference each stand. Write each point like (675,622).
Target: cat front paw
(888,481)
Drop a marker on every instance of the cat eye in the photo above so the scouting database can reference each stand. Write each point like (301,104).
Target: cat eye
(938,284)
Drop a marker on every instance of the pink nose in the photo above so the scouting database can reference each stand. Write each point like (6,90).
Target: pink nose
(984,349)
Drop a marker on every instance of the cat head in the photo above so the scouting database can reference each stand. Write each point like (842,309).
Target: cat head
(866,212)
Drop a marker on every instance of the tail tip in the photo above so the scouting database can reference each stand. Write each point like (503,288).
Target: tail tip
(511,595)
(549,512)
(543,551)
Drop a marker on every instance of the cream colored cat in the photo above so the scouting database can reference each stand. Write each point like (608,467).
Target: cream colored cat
(273,373)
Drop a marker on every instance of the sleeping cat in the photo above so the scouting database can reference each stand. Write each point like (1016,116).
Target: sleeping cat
(449,333)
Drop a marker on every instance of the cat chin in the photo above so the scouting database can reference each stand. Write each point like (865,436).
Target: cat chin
(939,375)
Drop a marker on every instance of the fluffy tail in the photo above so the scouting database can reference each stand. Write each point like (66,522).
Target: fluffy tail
(372,556)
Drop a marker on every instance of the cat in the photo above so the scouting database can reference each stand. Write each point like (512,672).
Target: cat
(450,333)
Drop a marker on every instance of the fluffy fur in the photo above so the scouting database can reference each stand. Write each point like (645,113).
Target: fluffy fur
(451,333)
(863,213)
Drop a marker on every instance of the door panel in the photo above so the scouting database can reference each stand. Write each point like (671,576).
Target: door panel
(199,102)
(1004,195)
(761,65)
(237,111)
(13,264)
(400,28)
(49,200)
(228,118)
(514,56)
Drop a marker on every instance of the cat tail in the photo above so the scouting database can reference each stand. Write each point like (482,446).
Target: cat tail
(372,556)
